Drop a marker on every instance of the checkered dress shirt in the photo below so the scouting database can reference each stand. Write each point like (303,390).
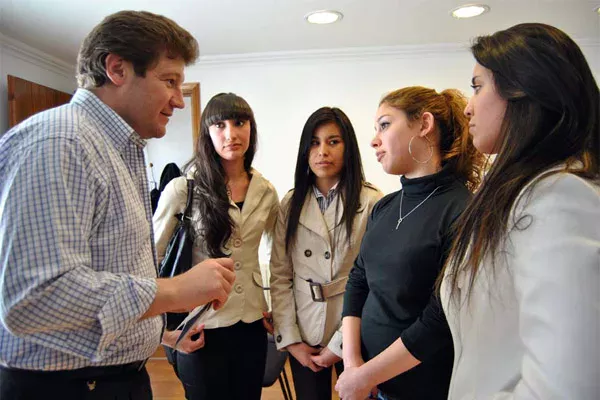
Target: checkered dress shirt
(77,258)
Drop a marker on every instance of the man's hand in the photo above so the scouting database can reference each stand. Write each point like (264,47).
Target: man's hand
(187,344)
(210,280)
(302,352)
(326,358)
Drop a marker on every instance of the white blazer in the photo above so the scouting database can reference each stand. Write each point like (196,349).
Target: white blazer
(531,329)
(316,257)
(246,301)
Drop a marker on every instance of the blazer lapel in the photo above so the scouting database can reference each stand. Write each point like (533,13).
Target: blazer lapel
(312,219)
(256,191)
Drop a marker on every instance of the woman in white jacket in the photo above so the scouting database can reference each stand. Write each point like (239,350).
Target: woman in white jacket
(233,206)
(318,233)
(522,288)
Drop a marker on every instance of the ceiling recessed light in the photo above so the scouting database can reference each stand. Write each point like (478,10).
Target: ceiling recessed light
(323,17)
(470,10)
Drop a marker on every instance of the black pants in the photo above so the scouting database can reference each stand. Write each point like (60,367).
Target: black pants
(96,383)
(231,365)
(311,385)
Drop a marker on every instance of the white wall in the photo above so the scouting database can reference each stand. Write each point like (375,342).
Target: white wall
(25,62)
(285,88)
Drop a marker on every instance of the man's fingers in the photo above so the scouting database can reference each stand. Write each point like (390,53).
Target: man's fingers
(228,275)
(227,284)
(225,262)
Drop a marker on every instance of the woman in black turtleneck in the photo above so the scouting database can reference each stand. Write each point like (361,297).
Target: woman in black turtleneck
(395,336)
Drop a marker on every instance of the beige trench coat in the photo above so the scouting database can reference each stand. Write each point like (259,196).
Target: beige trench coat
(315,257)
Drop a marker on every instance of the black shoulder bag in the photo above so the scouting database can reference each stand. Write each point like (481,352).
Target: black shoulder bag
(178,257)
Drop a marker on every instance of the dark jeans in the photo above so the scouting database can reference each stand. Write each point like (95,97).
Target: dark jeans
(311,385)
(95,383)
(231,365)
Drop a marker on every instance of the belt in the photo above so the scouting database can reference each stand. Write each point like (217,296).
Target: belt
(80,373)
(320,292)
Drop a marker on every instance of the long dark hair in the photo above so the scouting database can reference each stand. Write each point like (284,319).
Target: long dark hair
(456,145)
(552,118)
(213,223)
(351,178)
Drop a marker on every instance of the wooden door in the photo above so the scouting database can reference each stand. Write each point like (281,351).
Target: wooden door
(27,98)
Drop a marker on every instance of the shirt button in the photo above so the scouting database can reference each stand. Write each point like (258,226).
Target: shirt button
(237,265)
(278,339)
(307,253)
(237,242)
(239,288)
(327,255)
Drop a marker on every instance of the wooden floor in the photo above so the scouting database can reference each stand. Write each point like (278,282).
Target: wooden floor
(166,386)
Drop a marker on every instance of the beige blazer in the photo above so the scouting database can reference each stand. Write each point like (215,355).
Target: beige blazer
(315,256)
(254,222)
(531,329)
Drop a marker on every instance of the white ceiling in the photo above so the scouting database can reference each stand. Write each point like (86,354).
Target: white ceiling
(57,27)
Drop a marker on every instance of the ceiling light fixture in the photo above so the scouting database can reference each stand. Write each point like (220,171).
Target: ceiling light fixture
(470,10)
(323,17)
(598,10)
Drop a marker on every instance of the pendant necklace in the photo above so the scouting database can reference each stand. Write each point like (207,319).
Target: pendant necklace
(401,218)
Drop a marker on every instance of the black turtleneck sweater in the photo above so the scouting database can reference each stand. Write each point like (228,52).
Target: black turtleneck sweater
(392,282)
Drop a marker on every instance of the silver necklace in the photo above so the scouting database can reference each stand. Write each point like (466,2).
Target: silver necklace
(401,218)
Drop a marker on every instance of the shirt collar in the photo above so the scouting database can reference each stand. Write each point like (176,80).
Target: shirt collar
(331,192)
(111,123)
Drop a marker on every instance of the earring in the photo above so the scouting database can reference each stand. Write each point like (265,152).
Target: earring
(428,144)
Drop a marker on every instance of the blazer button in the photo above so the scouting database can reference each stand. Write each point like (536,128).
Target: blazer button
(237,242)
(278,339)
(327,255)
(237,265)
(239,288)
(307,253)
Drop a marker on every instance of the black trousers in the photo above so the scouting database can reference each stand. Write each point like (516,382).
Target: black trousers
(231,365)
(95,383)
(311,385)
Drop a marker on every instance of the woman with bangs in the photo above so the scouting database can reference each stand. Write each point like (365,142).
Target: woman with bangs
(223,356)
(397,344)
(319,229)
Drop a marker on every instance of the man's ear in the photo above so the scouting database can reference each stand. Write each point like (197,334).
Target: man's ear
(117,69)
(427,124)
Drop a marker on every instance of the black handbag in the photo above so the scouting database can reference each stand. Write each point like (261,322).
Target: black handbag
(178,257)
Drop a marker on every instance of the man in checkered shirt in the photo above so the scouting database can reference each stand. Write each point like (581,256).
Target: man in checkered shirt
(80,303)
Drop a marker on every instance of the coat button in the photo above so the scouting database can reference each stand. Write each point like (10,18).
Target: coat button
(307,253)
(239,288)
(237,265)
(278,339)
(327,255)
(237,242)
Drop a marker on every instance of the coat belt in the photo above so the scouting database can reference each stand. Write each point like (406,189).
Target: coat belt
(320,292)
